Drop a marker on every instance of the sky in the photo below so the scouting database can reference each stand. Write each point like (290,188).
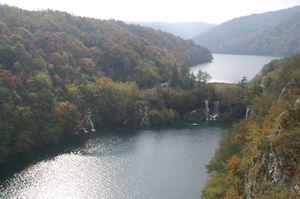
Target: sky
(210,11)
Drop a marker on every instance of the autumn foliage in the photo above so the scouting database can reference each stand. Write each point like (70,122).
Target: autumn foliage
(55,68)
(232,194)
(243,165)
(233,163)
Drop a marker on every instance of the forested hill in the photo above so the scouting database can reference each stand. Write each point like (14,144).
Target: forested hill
(113,48)
(62,75)
(272,33)
(260,158)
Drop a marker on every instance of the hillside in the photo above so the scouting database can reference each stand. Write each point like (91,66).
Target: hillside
(185,30)
(271,33)
(260,157)
(62,75)
(115,49)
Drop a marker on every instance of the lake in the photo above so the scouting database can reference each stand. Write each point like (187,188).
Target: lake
(231,68)
(135,164)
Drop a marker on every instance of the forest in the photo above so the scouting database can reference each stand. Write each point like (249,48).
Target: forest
(260,157)
(59,73)
(63,76)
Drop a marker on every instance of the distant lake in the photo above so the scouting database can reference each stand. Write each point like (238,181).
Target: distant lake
(231,68)
(124,164)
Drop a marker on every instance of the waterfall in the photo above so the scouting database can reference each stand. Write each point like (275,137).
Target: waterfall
(91,124)
(216,110)
(88,122)
(206,110)
(85,123)
(215,113)
(206,106)
(248,111)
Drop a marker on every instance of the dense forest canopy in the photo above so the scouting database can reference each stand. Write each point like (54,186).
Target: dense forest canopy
(271,33)
(59,73)
(110,47)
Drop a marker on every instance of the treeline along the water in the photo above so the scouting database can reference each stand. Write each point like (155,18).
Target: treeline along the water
(59,72)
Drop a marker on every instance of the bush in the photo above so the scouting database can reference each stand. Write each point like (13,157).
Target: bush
(162,116)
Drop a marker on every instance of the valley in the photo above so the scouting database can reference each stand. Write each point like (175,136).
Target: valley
(120,107)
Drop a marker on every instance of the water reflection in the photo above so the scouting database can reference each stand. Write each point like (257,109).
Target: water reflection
(231,68)
(166,163)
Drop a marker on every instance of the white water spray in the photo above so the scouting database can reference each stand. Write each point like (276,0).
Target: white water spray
(216,111)
(206,110)
(89,121)
(91,124)
(248,111)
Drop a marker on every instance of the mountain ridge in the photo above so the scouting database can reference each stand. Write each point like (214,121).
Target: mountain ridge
(185,30)
(270,33)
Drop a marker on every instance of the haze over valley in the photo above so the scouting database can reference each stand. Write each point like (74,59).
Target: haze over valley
(185,30)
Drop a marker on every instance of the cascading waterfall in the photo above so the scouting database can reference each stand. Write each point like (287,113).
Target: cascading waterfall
(206,110)
(216,110)
(248,111)
(89,121)
(91,124)
(86,124)
(215,113)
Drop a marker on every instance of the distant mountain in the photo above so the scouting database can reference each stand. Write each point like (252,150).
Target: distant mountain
(270,33)
(185,30)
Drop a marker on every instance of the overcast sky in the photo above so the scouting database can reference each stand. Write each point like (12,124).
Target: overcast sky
(211,11)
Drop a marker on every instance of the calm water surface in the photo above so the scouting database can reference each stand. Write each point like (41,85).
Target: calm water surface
(142,164)
(231,68)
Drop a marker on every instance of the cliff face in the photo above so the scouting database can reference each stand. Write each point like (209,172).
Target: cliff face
(276,166)
(260,158)
(278,163)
